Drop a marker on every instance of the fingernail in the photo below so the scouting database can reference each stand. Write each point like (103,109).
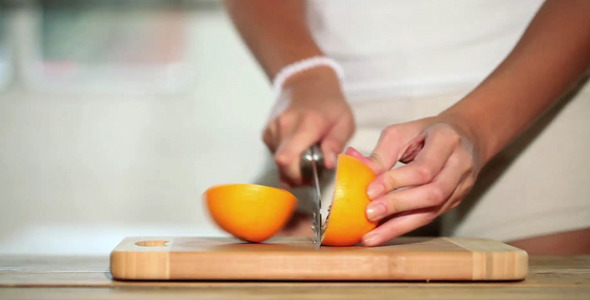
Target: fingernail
(370,239)
(376,211)
(349,150)
(375,190)
(353,152)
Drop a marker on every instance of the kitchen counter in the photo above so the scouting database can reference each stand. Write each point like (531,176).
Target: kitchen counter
(78,277)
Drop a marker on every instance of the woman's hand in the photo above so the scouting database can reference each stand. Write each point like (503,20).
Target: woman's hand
(310,109)
(441,167)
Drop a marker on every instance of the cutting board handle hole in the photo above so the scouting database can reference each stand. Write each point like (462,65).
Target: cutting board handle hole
(151,243)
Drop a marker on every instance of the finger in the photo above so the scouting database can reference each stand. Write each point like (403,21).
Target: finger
(391,145)
(411,150)
(433,194)
(333,143)
(268,137)
(399,225)
(288,155)
(465,185)
(356,154)
(409,221)
(285,183)
(438,146)
(460,192)
(271,135)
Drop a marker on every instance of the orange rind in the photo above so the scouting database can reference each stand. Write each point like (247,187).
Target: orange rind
(250,212)
(347,221)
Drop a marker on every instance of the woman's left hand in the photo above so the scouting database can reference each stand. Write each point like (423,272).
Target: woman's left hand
(441,166)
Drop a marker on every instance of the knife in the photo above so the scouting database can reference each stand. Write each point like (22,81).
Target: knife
(312,164)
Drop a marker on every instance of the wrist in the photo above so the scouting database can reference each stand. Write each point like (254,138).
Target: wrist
(312,70)
(319,76)
(317,84)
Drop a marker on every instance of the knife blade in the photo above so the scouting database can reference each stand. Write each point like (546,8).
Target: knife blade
(311,168)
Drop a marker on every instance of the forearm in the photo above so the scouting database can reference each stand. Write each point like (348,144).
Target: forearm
(552,54)
(275,31)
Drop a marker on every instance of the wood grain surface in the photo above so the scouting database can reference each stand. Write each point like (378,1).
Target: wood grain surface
(191,258)
(81,277)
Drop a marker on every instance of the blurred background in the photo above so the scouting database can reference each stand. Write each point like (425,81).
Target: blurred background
(116,115)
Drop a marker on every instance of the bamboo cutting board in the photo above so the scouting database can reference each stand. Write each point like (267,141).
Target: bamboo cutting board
(192,258)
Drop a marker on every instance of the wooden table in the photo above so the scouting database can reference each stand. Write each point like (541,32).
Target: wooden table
(26,277)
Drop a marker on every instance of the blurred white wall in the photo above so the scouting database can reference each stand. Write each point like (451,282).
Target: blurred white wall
(78,172)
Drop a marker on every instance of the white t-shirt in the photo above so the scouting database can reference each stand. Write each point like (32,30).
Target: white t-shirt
(417,48)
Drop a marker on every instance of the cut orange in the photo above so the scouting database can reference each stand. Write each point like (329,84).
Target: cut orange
(250,212)
(347,221)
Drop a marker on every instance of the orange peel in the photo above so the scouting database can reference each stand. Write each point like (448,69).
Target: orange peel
(347,221)
(250,212)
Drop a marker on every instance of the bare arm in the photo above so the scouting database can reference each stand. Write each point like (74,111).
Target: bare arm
(549,58)
(275,31)
(312,107)
(445,153)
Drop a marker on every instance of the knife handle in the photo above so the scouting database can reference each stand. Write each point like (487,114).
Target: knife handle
(313,154)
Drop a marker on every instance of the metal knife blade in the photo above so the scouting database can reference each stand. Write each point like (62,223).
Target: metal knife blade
(311,167)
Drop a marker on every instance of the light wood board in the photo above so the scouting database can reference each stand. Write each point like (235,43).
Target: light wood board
(192,258)
(87,277)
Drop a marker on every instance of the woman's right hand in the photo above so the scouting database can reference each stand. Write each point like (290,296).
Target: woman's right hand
(311,109)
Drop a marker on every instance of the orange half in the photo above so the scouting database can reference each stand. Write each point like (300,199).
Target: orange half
(347,221)
(250,212)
